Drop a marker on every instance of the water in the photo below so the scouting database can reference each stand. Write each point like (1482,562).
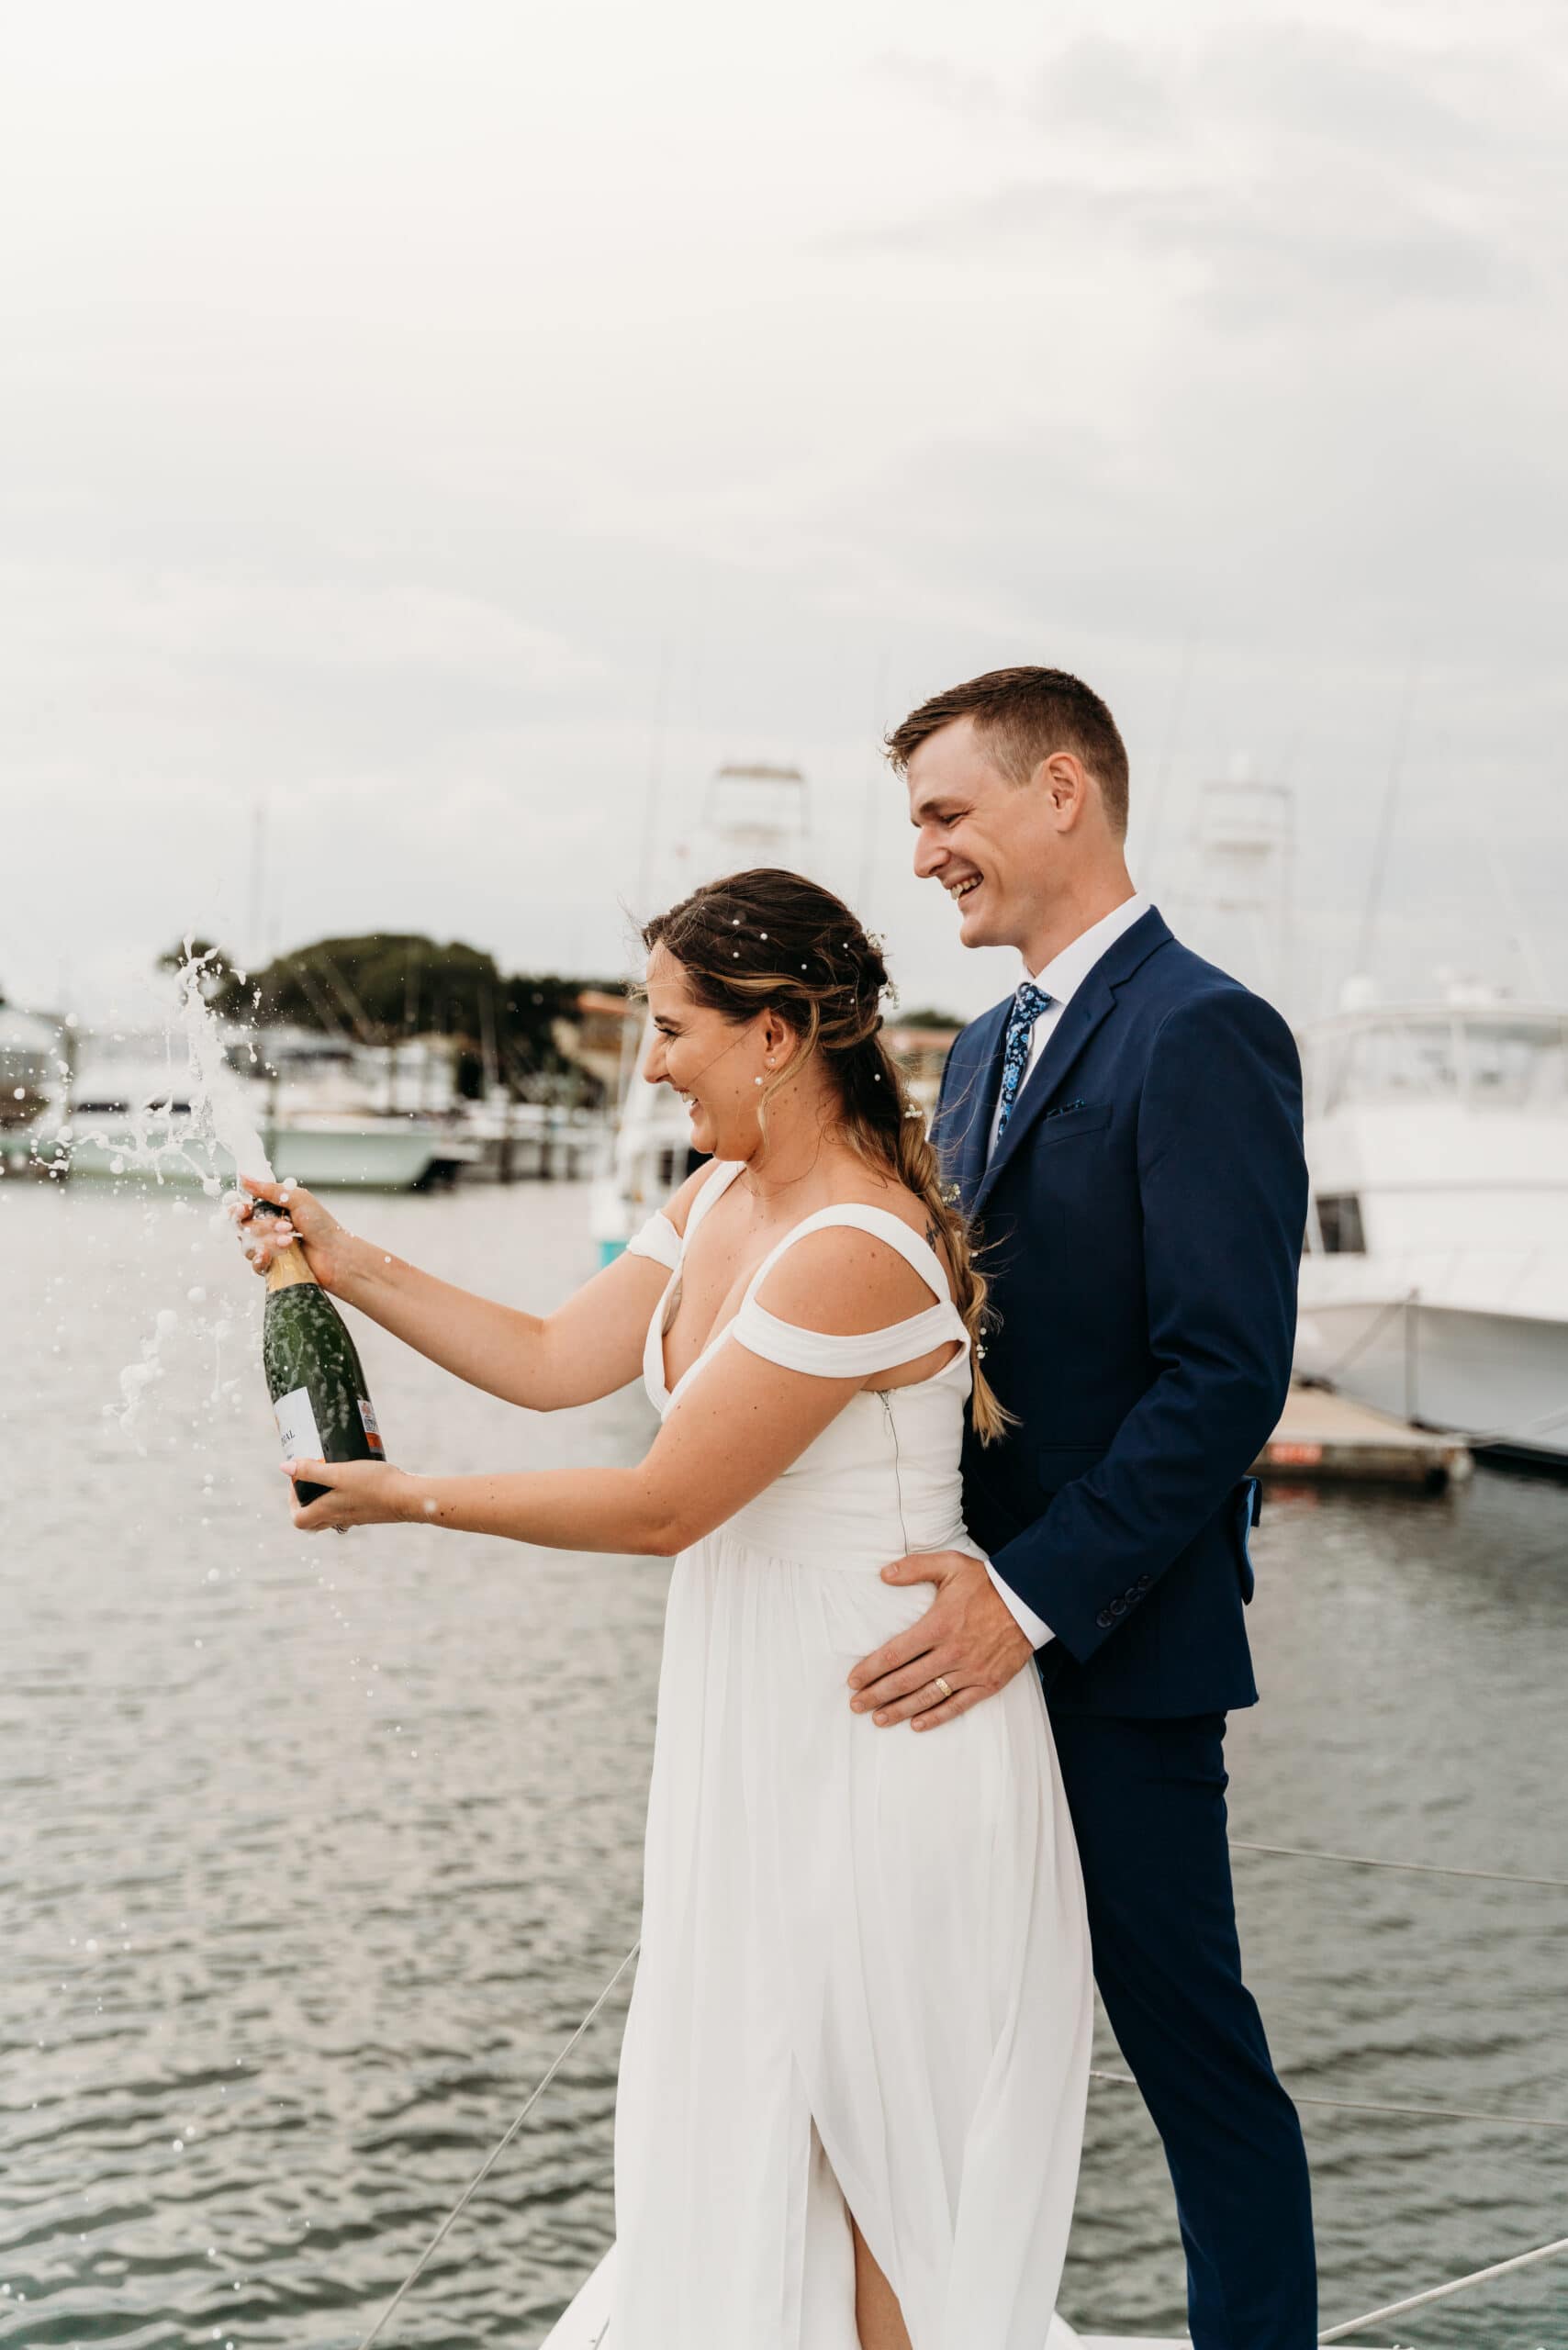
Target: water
(218,1096)
(315,1852)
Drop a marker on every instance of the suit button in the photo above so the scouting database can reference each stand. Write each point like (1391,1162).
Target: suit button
(1131,1593)
(1118,1607)
(1146,1582)
(1104,1619)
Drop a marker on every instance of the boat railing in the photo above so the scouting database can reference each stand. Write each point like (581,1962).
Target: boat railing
(1347,2329)
(1478,1057)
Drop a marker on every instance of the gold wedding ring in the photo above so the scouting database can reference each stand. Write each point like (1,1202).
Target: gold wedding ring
(946,1686)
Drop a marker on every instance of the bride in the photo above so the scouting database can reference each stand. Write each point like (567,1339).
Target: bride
(852,2088)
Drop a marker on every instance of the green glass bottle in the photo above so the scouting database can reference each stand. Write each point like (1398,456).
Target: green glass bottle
(320,1398)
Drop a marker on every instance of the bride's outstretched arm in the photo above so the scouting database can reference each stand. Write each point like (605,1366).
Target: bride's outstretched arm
(589,1348)
(736,1429)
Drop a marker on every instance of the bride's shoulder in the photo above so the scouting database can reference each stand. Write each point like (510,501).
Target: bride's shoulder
(840,1277)
(895,1198)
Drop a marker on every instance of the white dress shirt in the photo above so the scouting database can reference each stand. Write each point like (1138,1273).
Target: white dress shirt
(1061,978)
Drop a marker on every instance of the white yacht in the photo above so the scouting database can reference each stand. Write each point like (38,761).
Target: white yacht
(752,815)
(1435,1282)
(647,1158)
(128,1113)
(334,1112)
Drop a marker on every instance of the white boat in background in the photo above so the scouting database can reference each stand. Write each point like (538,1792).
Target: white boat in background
(127,1114)
(752,815)
(1435,1282)
(334,1113)
(648,1156)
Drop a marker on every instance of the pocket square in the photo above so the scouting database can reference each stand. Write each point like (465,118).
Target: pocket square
(1060,1109)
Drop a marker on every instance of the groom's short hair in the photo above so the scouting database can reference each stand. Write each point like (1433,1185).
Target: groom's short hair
(1022,716)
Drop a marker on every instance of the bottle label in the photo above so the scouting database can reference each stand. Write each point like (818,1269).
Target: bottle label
(372,1433)
(296,1427)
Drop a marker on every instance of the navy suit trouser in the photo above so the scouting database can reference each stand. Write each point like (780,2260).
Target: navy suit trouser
(1147,1804)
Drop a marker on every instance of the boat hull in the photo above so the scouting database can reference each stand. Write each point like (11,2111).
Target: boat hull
(1499,1379)
(362,1154)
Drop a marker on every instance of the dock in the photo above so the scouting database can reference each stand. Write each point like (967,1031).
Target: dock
(1327,1439)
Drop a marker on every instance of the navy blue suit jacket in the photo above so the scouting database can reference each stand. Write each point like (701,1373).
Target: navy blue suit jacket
(1141,1225)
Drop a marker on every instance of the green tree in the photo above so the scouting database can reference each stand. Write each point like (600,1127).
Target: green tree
(387,986)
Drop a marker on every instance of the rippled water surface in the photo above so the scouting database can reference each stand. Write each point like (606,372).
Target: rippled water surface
(315,1852)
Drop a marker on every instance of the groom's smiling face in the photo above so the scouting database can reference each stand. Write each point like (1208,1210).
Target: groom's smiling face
(992,844)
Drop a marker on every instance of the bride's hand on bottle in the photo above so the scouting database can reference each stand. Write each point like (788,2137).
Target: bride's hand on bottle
(361,1492)
(304,1222)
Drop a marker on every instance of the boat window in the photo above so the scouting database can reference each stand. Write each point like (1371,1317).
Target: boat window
(1515,1064)
(1396,1060)
(1339,1222)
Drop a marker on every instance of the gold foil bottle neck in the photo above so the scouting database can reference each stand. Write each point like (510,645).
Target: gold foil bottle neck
(288,1267)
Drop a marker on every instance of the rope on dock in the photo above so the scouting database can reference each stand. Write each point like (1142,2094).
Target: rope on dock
(494,2156)
(1408,1868)
(1441,2292)
(1358,1347)
(1402,2112)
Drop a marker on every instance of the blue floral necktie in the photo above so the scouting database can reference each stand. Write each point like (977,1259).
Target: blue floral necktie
(1027,1006)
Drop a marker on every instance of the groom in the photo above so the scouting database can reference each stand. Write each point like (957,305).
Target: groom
(1126,1129)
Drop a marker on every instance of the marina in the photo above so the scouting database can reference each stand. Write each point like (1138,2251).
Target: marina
(337,1115)
(296,1961)
(1435,1284)
(841,561)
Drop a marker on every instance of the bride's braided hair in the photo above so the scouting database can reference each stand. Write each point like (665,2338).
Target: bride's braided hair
(771,941)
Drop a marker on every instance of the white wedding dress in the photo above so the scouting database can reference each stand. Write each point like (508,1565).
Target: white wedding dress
(865,1980)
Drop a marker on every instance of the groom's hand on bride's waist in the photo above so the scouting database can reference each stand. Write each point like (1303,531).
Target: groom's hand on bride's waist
(966,1646)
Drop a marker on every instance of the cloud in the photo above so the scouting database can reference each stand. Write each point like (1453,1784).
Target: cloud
(551,425)
(1109,89)
(942,83)
(1281,175)
(1282,251)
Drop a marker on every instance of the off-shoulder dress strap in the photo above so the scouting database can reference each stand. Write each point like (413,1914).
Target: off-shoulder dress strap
(658,1237)
(721,1176)
(838,1355)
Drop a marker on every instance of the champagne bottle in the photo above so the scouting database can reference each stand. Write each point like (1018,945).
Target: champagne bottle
(320,1398)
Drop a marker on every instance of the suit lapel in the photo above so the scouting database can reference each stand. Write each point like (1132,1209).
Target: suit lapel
(969,1102)
(1093,1003)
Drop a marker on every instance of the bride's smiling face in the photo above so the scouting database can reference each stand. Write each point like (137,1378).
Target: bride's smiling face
(711,1062)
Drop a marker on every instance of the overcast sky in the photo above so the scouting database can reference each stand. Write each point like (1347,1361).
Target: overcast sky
(439,423)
